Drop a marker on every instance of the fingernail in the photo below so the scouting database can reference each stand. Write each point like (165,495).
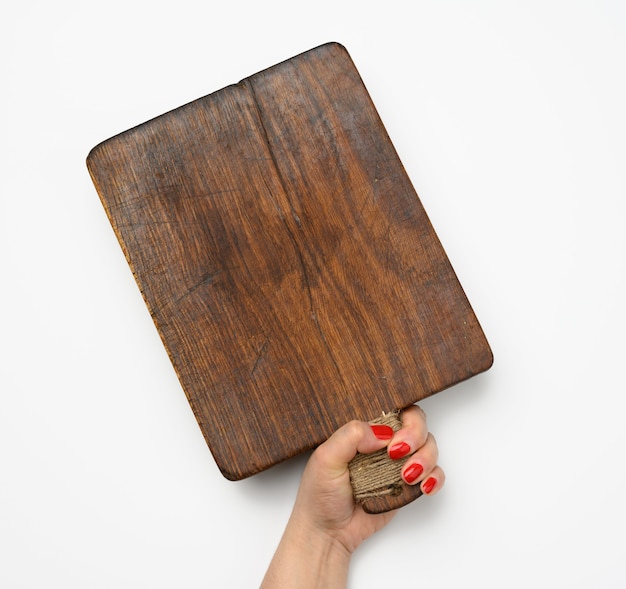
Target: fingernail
(429,484)
(399,450)
(382,432)
(413,472)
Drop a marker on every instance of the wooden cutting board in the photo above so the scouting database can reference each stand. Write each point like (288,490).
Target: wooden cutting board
(286,260)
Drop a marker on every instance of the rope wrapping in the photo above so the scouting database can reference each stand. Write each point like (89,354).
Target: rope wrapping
(377,475)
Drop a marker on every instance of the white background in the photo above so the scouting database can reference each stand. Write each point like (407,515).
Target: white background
(510,119)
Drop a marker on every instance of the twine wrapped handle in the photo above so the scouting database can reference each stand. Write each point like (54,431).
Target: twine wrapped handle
(377,484)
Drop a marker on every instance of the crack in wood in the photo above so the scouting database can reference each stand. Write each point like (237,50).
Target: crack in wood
(305,274)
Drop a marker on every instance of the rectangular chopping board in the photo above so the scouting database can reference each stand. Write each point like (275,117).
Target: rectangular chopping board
(286,260)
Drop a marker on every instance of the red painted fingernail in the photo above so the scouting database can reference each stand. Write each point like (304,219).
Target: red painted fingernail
(382,432)
(413,472)
(399,450)
(429,484)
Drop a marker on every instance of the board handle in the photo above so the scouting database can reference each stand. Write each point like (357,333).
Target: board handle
(390,502)
(376,479)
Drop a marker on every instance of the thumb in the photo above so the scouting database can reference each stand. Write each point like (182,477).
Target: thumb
(355,436)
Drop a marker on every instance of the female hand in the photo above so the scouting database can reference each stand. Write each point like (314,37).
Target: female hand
(325,496)
(326,526)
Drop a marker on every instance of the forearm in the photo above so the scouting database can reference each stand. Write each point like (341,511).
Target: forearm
(307,559)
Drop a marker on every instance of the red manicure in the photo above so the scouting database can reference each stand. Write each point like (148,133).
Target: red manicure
(413,472)
(429,484)
(399,450)
(382,432)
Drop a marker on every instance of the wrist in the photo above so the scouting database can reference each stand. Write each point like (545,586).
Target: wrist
(327,554)
(308,558)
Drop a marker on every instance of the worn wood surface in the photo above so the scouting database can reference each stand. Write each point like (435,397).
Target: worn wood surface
(286,260)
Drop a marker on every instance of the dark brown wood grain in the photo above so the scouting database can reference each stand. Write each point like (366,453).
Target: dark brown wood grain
(286,260)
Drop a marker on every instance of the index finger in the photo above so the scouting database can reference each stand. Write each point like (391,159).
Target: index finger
(411,436)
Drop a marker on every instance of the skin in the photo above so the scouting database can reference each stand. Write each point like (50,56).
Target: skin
(325,526)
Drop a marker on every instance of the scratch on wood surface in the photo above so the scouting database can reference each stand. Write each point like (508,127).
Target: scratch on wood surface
(205,280)
(259,356)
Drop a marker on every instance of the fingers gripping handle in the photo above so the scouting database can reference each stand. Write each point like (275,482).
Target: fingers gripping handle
(376,479)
